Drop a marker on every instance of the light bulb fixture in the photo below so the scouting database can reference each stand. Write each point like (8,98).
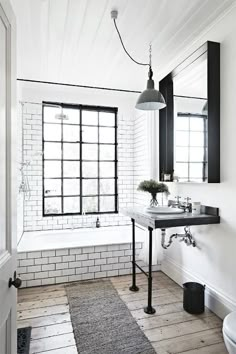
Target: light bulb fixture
(150,99)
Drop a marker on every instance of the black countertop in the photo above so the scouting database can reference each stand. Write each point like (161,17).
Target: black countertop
(209,215)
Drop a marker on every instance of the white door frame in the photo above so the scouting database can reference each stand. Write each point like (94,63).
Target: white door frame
(9,170)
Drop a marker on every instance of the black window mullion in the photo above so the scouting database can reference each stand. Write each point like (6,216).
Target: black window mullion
(62,171)
(116,164)
(98,163)
(81,161)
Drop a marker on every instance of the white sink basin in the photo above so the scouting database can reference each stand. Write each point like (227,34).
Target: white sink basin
(164,210)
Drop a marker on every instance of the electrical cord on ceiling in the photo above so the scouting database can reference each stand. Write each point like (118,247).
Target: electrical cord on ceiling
(137,62)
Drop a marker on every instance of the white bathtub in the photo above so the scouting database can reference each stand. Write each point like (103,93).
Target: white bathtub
(60,239)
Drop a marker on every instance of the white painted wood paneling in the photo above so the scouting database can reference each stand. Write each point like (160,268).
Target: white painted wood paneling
(75,40)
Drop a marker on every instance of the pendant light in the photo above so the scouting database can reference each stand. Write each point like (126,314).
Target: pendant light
(150,99)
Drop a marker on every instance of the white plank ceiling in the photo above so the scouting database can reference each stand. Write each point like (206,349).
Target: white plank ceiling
(74,41)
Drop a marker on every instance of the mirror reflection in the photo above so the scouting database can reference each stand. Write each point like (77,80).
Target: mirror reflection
(190,122)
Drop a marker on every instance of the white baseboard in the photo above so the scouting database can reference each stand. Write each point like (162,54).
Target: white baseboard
(217,302)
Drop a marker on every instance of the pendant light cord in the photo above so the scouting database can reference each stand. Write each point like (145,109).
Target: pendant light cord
(135,61)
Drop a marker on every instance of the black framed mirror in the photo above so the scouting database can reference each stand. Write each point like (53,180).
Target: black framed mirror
(189,132)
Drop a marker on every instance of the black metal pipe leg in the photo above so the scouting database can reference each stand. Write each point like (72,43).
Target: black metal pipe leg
(133,287)
(149,309)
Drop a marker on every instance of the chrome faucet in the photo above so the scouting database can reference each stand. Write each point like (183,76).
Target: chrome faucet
(186,205)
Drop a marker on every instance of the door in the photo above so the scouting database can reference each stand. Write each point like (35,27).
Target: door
(7,179)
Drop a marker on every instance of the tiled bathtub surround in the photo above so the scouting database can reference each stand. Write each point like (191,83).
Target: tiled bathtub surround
(73,264)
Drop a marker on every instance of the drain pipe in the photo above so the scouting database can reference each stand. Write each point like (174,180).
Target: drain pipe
(187,238)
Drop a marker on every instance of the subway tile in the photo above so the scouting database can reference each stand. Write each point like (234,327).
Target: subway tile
(36,268)
(51,253)
(61,279)
(94,255)
(81,270)
(81,257)
(94,269)
(88,250)
(70,258)
(54,259)
(41,261)
(63,252)
(41,275)
(88,263)
(112,260)
(75,251)
(100,261)
(118,253)
(76,264)
(68,272)
(55,273)
(46,267)
(88,276)
(48,281)
(37,282)
(27,276)
(62,265)
(26,262)
(100,275)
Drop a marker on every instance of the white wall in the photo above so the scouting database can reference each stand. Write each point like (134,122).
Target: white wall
(32,116)
(213,262)
(20,195)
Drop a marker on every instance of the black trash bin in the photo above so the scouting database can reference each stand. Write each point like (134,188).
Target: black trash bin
(194,297)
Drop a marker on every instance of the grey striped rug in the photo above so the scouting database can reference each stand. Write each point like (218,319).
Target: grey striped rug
(102,322)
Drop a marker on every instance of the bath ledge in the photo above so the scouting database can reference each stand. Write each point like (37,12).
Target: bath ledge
(76,238)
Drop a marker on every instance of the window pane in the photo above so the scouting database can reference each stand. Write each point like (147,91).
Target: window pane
(107,204)
(196,154)
(196,170)
(89,117)
(71,169)
(90,204)
(181,154)
(197,124)
(52,169)
(72,115)
(107,169)
(71,205)
(182,123)
(52,187)
(90,152)
(107,152)
(52,150)
(106,118)
(52,205)
(196,139)
(181,169)
(71,186)
(107,135)
(49,114)
(182,138)
(52,132)
(71,151)
(90,169)
(90,134)
(71,132)
(107,186)
(90,186)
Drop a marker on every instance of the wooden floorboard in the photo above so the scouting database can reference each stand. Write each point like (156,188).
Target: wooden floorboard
(171,330)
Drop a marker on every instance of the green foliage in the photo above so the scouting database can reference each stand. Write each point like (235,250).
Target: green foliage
(153,187)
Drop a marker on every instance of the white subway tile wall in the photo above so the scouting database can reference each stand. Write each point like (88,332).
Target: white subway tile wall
(61,266)
(32,147)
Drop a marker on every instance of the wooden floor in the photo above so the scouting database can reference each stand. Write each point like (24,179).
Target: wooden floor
(171,330)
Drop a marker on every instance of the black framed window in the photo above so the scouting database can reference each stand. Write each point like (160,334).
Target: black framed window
(79,159)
